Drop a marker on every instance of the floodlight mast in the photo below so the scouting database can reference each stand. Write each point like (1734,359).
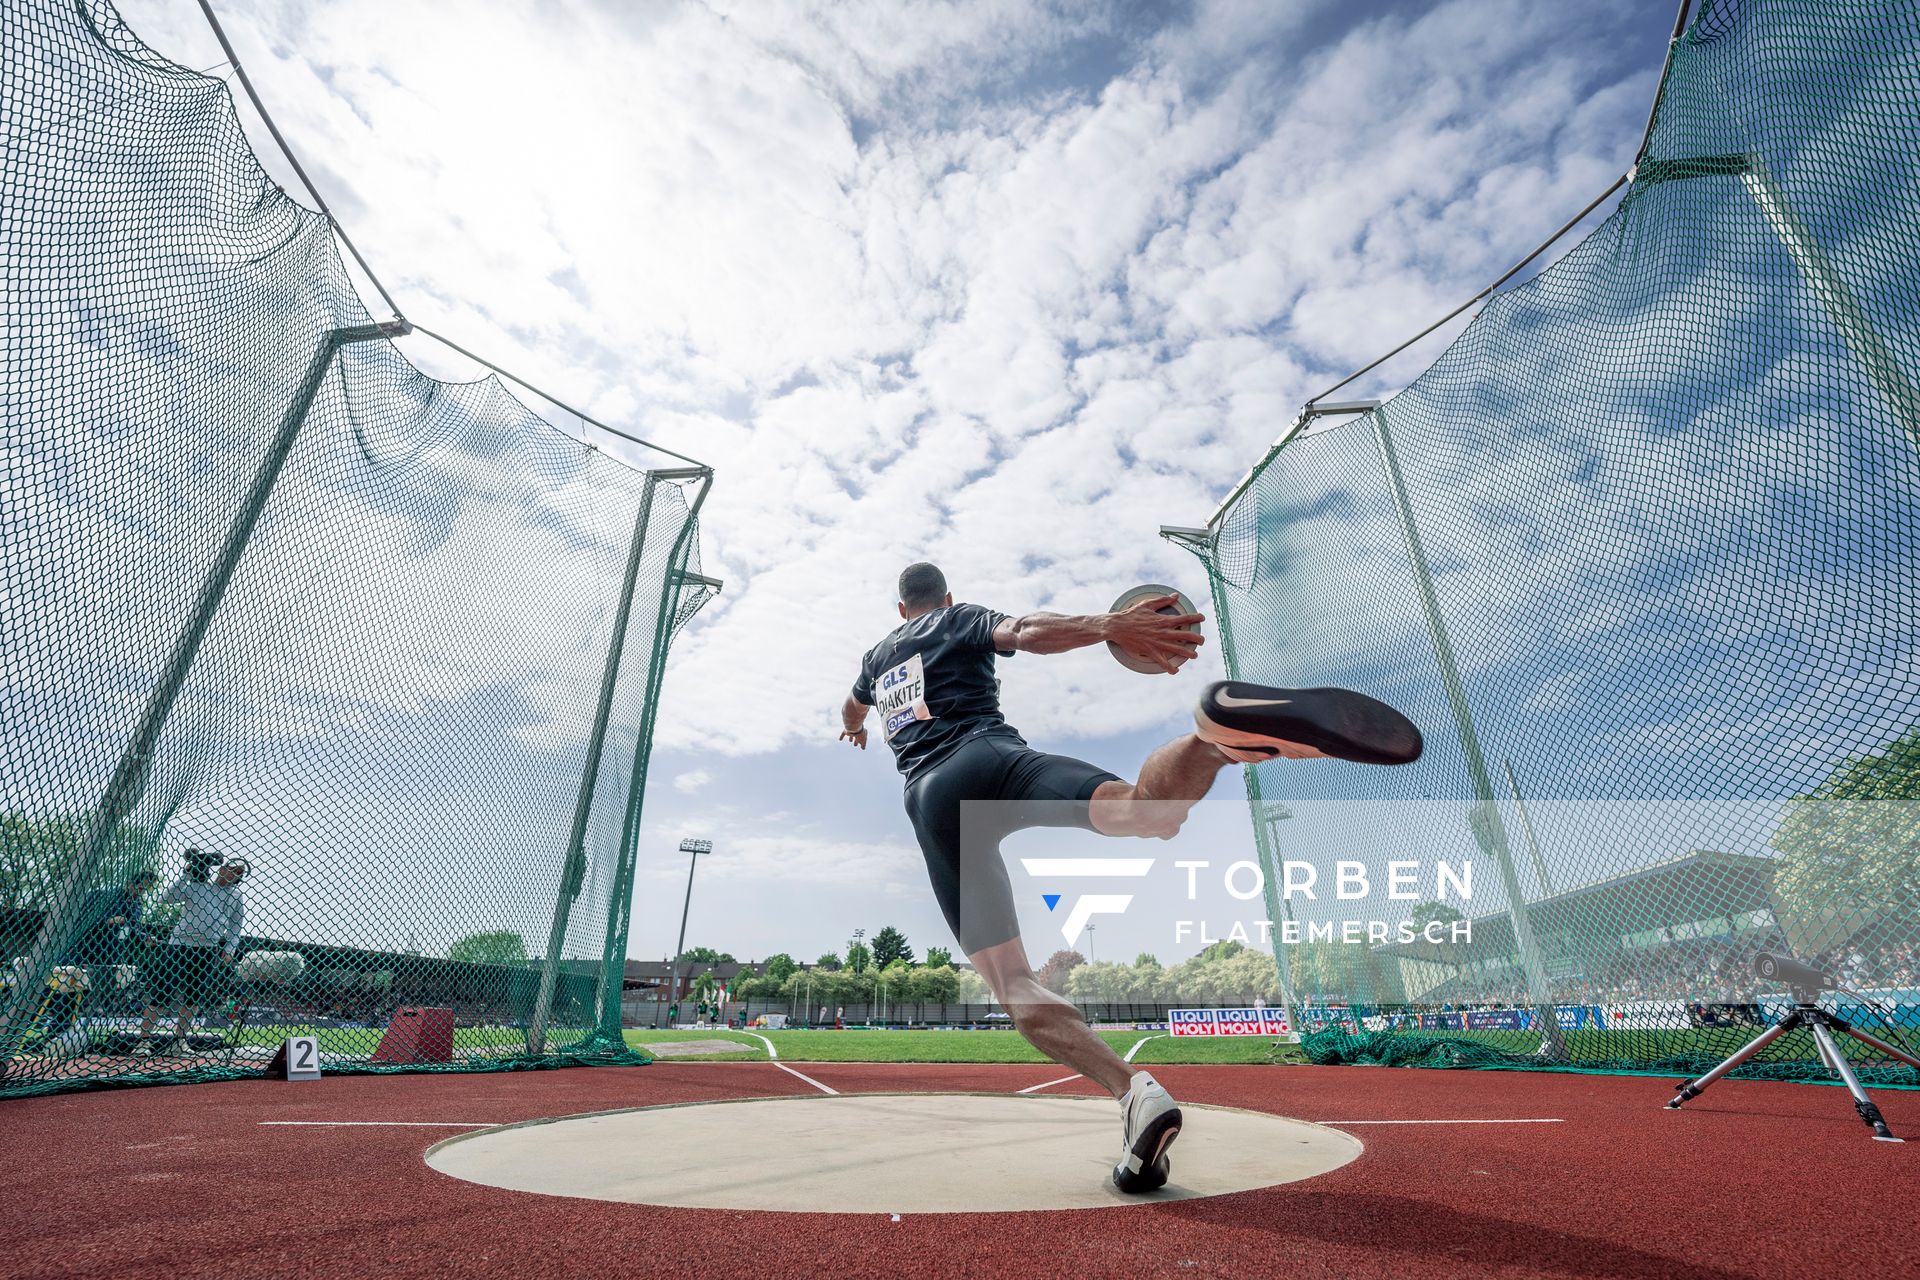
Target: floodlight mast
(1272,814)
(694,848)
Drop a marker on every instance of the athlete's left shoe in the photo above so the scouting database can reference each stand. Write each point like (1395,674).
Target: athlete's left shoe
(1149,1122)
(1254,722)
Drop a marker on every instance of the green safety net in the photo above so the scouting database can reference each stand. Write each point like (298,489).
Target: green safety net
(328,687)
(1638,554)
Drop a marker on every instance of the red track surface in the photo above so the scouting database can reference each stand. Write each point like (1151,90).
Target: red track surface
(1751,1179)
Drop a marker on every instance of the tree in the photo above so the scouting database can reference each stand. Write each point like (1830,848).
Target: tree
(1222,974)
(934,984)
(973,988)
(810,989)
(938,958)
(705,955)
(499,947)
(894,978)
(780,967)
(1225,949)
(1432,913)
(889,945)
(759,987)
(1053,974)
(829,960)
(1850,849)
(1146,960)
(35,854)
(705,988)
(858,957)
(1326,969)
(1108,981)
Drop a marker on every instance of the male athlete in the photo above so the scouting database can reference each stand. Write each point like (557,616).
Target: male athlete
(933,681)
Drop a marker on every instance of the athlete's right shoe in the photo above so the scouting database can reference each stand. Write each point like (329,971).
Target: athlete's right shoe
(1254,722)
(1149,1122)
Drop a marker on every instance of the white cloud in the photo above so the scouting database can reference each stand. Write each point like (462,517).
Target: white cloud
(691,781)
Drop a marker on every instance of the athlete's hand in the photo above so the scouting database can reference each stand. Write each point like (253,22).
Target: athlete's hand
(1151,636)
(858,737)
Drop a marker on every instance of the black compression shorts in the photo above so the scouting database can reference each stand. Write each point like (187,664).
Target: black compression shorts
(994,767)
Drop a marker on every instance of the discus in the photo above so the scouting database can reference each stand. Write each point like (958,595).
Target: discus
(1147,592)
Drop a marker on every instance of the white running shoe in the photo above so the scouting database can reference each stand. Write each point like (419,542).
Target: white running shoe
(1149,1122)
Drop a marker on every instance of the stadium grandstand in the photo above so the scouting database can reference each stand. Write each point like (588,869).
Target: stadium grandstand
(1615,951)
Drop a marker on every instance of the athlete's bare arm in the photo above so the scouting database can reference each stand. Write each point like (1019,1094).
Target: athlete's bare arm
(1142,630)
(853,718)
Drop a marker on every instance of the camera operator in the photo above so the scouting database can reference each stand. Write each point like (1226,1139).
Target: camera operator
(200,947)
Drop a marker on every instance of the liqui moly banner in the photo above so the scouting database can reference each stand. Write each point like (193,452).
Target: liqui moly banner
(1227,1022)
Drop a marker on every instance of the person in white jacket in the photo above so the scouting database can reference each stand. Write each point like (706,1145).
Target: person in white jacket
(203,941)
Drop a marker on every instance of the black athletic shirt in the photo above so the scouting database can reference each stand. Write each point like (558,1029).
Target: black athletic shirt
(932,682)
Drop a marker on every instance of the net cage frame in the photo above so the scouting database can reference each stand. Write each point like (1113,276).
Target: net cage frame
(346,396)
(1521,1013)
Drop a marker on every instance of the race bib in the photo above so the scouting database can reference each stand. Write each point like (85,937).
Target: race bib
(902,691)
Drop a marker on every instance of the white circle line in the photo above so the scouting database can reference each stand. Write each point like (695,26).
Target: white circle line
(395,1124)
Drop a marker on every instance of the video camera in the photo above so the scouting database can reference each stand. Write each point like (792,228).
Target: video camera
(201,862)
(1770,966)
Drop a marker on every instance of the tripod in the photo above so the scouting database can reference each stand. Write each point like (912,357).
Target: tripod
(1807,1014)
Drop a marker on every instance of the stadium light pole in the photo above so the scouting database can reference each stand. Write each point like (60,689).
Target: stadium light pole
(693,848)
(1272,814)
(858,937)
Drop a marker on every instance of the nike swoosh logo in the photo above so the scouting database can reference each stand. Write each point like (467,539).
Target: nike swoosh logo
(1228,700)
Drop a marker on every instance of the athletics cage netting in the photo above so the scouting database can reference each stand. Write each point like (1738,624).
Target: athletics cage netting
(329,687)
(1638,553)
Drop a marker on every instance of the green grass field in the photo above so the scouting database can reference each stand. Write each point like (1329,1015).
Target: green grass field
(860,1045)
(815,1046)
(963,1046)
(361,1041)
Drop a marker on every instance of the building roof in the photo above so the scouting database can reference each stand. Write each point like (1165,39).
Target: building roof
(1702,885)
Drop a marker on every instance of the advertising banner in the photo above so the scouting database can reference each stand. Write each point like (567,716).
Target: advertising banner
(1228,1022)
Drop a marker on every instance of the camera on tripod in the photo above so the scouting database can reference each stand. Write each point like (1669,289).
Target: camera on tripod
(1770,966)
(1806,983)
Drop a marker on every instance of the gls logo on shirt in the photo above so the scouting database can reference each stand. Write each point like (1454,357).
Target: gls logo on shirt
(903,695)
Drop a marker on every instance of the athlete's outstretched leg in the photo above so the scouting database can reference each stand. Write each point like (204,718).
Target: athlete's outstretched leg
(1048,1022)
(1246,724)
(1173,779)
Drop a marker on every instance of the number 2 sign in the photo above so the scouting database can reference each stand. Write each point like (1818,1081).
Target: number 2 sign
(300,1056)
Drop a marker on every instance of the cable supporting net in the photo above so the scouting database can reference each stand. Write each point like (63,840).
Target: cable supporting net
(328,687)
(1637,552)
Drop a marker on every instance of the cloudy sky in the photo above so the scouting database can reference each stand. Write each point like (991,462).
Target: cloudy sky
(1002,285)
